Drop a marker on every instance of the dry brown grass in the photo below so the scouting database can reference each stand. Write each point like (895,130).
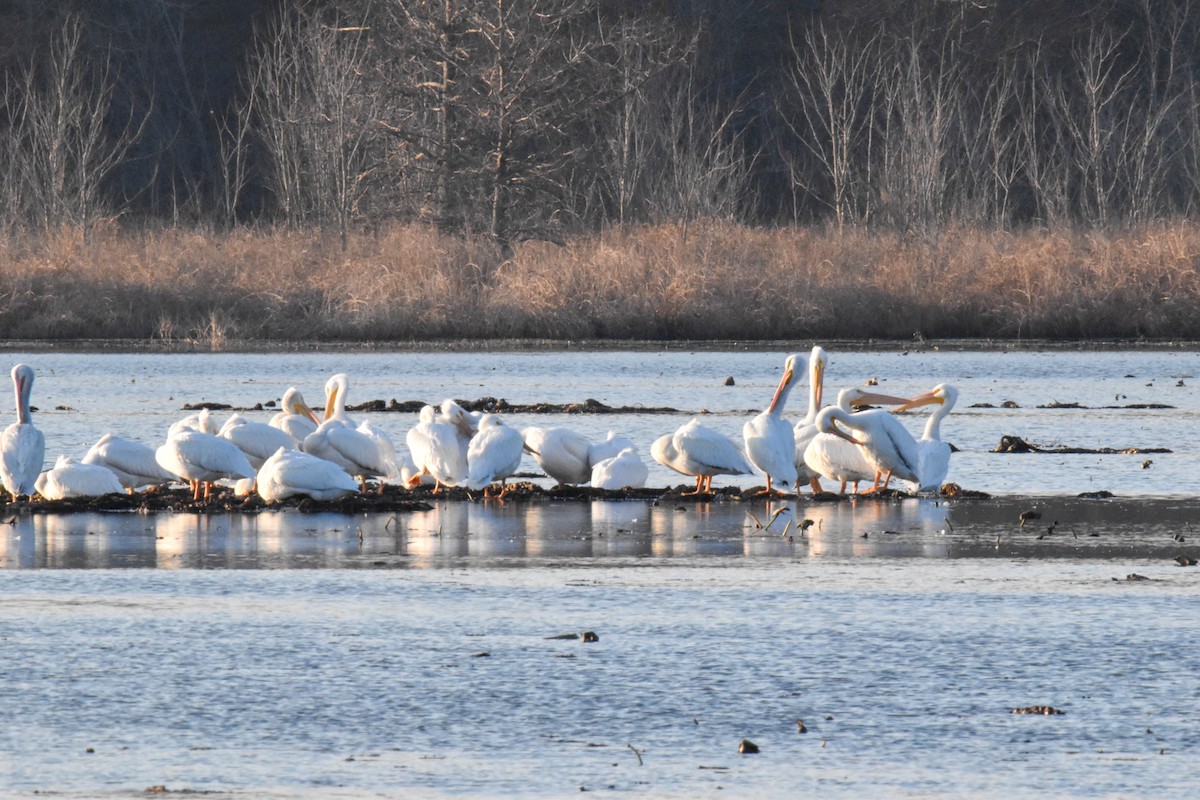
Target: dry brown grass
(705,281)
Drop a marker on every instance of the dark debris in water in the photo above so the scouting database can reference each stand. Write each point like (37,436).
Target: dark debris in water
(1048,711)
(1015,444)
(747,747)
(489,404)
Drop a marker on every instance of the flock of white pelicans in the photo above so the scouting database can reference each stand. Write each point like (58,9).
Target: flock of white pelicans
(299,453)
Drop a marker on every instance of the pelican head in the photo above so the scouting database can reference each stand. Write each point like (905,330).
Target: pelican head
(818,359)
(827,423)
(22,376)
(335,394)
(943,394)
(293,403)
(856,397)
(794,363)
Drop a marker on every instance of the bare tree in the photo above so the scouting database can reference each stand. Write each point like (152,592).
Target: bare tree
(318,118)
(64,149)
(830,84)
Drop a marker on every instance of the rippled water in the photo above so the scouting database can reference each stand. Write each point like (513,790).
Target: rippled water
(290,655)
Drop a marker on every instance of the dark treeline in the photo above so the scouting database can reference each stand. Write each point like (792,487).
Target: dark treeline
(538,119)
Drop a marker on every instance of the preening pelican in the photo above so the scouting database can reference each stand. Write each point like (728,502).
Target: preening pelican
(337,440)
(806,429)
(493,454)
(201,421)
(833,456)
(295,418)
(885,442)
(436,451)
(770,442)
(700,452)
(561,452)
(609,448)
(622,470)
(257,440)
(132,462)
(69,478)
(934,454)
(201,458)
(22,446)
(290,472)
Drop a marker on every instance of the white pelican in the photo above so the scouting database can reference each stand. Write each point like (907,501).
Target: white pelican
(201,421)
(700,452)
(410,475)
(493,454)
(132,462)
(610,447)
(295,418)
(22,446)
(202,458)
(833,456)
(69,478)
(934,454)
(560,452)
(387,449)
(290,472)
(884,440)
(624,469)
(337,440)
(770,441)
(435,450)
(806,429)
(257,440)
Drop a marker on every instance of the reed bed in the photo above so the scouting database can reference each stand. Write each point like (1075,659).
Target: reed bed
(700,281)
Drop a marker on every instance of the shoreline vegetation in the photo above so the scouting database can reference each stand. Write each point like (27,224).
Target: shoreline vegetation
(704,281)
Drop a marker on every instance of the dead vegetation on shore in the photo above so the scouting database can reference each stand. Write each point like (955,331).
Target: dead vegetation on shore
(699,281)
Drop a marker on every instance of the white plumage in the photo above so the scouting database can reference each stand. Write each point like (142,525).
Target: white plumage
(436,451)
(257,440)
(201,421)
(610,447)
(337,440)
(622,470)
(886,443)
(291,472)
(132,462)
(933,454)
(700,452)
(770,441)
(202,458)
(832,456)
(70,478)
(805,430)
(493,454)
(295,418)
(560,452)
(22,446)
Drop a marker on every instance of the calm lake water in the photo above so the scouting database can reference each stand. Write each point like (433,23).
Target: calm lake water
(284,655)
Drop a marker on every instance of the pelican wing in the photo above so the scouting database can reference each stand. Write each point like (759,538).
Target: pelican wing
(257,440)
(22,452)
(132,462)
(709,451)
(290,473)
(624,469)
(77,480)
(771,446)
(493,454)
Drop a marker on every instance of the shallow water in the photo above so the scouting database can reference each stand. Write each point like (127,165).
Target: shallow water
(285,655)
(139,395)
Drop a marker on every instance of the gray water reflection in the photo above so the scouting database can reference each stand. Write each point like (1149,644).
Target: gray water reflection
(458,534)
